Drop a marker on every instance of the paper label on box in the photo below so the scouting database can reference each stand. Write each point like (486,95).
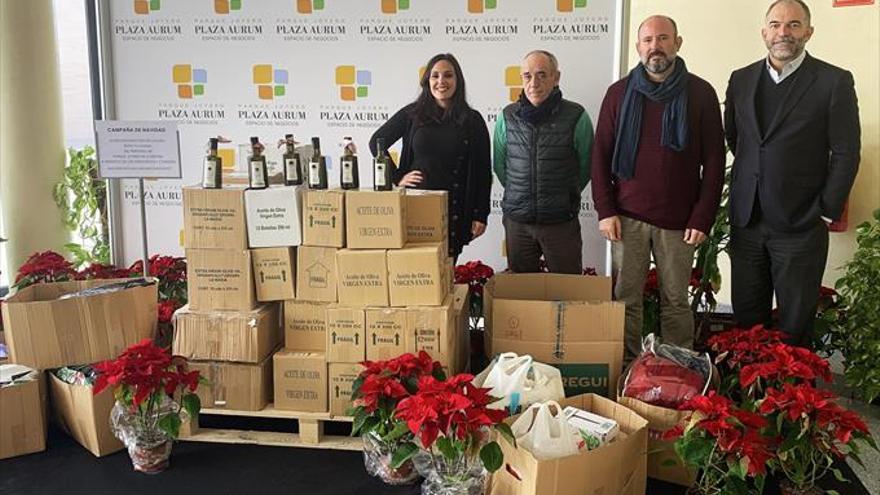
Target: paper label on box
(580,379)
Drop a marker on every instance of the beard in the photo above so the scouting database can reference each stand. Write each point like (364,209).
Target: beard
(658,64)
(786,49)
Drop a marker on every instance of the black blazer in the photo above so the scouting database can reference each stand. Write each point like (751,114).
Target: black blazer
(804,166)
(478,185)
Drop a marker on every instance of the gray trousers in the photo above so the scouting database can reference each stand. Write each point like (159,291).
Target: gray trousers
(630,261)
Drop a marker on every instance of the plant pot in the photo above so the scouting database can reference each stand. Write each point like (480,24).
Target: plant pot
(150,459)
(786,487)
(377,461)
(463,476)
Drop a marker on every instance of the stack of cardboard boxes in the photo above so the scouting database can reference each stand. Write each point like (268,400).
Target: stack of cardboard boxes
(353,275)
(228,330)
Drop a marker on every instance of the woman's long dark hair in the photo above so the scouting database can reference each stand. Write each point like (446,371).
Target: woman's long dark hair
(427,110)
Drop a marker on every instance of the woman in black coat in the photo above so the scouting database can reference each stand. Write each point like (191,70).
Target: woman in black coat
(445,147)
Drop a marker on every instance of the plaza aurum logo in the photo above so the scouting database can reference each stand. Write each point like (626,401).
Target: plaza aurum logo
(353,83)
(271,82)
(309,6)
(480,6)
(570,5)
(144,7)
(393,6)
(513,81)
(226,6)
(190,82)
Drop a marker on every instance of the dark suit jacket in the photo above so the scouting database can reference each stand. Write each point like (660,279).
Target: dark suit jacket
(805,163)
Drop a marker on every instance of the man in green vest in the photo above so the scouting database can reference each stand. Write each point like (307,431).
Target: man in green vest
(542,158)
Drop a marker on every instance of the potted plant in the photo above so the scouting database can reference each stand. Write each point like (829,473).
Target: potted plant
(453,427)
(153,393)
(376,393)
(475,274)
(724,443)
(814,430)
(857,336)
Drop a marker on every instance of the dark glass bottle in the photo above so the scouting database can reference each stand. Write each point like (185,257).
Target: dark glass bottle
(348,166)
(212,173)
(258,175)
(292,166)
(317,167)
(382,168)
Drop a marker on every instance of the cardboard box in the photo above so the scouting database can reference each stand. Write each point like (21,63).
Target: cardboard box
(618,468)
(246,337)
(274,273)
(386,333)
(22,413)
(342,376)
(416,275)
(235,386)
(375,219)
(461,306)
(84,416)
(45,332)
(426,216)
(305,326)
(346,334)
(663,462)
(273,216)
(323,221)
(433,329)
(220,279)
(316,274)
(300,381)
(568,321)
(214,218)
(362,277)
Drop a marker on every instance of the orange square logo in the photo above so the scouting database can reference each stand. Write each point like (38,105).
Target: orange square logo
(264,92)
(347,93)
(141,7)
(304,6)
(184,91)
(475,6)
(389,6)
(221,6)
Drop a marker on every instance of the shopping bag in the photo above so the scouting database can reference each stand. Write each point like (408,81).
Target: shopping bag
(520,382)
(544,431)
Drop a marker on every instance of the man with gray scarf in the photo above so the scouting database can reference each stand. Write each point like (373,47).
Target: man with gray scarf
(657,174)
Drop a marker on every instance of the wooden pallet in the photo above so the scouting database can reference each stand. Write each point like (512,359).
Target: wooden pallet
(311,430)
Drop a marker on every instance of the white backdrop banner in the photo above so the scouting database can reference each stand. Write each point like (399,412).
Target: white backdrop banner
(334,68)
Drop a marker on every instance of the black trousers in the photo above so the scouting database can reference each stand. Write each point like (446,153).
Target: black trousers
(765,261)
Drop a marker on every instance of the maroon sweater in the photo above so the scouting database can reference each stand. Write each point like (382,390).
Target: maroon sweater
(667,190)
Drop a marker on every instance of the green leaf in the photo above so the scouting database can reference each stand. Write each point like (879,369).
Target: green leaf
(403,454)
(447,448)
(506,432)
(491,456)
(192,404)
(399,430)
(839,476)
(170,424)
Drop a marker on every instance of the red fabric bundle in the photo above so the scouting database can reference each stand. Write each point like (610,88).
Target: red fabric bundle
(662,382)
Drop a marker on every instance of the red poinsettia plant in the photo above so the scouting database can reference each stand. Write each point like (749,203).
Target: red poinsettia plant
(475,274)
(814,430)
(725,444)
(451,419)
(381,386)
(141,377)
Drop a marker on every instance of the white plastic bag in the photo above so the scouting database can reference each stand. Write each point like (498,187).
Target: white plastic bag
(520,381)
(544,431)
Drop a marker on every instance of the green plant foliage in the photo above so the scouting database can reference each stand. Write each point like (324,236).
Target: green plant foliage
(857,334)
(82,198)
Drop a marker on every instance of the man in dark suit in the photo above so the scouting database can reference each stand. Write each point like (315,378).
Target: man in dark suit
(792,123)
